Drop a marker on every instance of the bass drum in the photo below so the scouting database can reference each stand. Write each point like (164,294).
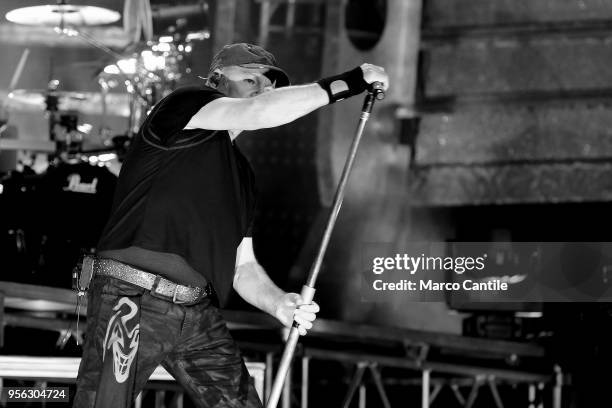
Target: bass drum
(19,226)
(59,216)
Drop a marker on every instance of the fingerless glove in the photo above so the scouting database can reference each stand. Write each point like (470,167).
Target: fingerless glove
(344,85)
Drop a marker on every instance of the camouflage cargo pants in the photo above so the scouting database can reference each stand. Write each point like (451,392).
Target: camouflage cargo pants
(130,332)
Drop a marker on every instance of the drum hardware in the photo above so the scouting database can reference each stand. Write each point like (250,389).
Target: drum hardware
(49,99)
(20,243)
(63,109)
(184,11)
(64,18)
(62,14)
(30,145)
(68,137)
(146,72)
(141,75)
(65,133)
(3,120)
(197,36)
(84,102)
(116,150)
(182,23)
(4,115)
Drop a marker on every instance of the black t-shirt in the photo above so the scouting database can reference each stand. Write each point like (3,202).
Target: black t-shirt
(185,192)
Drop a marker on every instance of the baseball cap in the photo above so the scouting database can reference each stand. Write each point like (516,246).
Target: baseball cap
(249,56)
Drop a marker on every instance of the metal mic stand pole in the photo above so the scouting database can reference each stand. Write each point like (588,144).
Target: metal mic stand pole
(308,290)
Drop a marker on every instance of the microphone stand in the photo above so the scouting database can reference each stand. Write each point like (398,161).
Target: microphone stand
(308,290)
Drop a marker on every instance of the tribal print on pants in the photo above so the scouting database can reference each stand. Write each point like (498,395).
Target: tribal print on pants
(119,351)
(122,342)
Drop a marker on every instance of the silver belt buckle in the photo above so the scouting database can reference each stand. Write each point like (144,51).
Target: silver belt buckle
(175,300)
(157,293)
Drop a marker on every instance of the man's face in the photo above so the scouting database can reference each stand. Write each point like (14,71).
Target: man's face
(246,82)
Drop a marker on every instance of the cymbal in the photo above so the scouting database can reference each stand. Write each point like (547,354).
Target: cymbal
(84,102)
(36,97)
(58,14)
(32,145)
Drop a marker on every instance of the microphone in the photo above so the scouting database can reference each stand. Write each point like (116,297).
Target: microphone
(377,89)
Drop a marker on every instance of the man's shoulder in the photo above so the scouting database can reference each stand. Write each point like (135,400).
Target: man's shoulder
(188,98)
(194,90)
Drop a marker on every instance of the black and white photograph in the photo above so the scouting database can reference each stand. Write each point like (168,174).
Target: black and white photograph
(306,203)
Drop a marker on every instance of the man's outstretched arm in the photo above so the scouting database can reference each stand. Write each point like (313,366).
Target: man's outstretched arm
(284,105)
(255,286)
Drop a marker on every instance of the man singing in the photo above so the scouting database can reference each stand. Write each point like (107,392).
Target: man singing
(179,235)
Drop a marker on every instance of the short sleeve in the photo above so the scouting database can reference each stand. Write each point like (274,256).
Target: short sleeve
(249,232)
(173,112)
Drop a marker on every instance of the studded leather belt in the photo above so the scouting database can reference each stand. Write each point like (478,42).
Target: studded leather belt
(158,286)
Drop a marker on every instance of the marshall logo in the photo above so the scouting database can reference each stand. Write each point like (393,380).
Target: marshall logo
(75,185)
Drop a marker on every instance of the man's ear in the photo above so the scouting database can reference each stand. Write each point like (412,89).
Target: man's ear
(215,79)
(218,81)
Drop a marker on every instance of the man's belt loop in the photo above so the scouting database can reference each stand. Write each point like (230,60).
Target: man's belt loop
(174,294)
(153,289)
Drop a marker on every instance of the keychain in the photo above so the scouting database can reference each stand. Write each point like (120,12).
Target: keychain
(81,278)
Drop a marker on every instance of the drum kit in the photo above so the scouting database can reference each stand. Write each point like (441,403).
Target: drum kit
(130,82)
(134,80)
